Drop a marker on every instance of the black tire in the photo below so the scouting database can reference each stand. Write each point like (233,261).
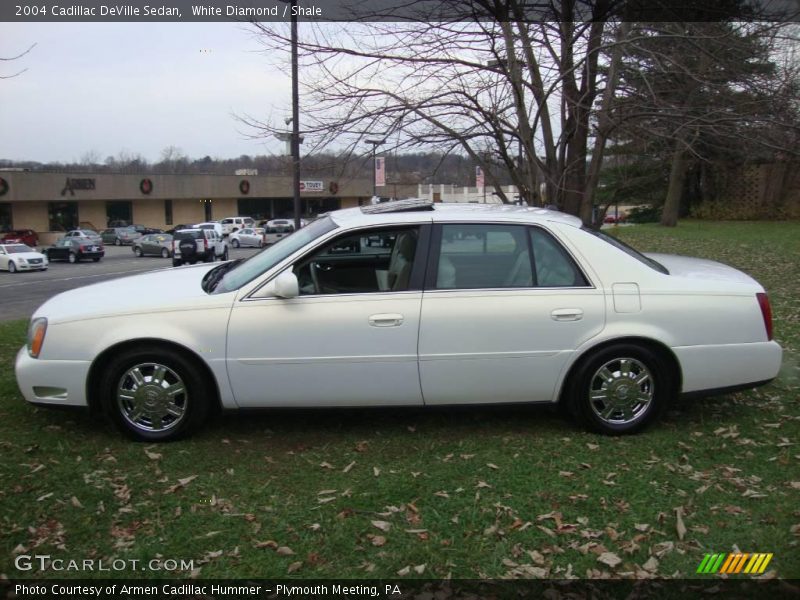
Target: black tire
(225,255)
(12,268)
(194,402)
(96,259)
(164,253)
(117,242)
(176,263)
(72,258)
(235,243)
(621,412)
(137,251)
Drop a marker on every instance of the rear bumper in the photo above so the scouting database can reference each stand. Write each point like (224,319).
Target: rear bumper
(51,382)
(709,369)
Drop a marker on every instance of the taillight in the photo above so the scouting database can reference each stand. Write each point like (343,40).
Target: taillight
(766,313)
(205,243)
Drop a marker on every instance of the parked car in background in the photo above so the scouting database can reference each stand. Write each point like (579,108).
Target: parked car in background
(20,236)
(473,304)
(142,230)
(232,224)
(612,218)
(192,245)
(278,229)
(119,236)
(83,234)
(154,244)
(74,249)
(179,227)
(248,236)
(209,225)
(21,257)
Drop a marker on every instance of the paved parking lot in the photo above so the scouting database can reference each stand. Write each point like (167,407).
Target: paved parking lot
(22,293)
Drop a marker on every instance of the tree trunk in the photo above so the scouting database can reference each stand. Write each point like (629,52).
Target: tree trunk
(677,176)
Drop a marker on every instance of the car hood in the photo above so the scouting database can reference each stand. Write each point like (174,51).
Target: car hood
(155,291)
(700,268)
(26,255)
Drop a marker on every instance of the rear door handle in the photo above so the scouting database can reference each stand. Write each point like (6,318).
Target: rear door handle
(386,320)
(567,314)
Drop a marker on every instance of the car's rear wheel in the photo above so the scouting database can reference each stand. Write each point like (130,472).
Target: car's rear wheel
(96,259)
(117,242)
(155,395)
(225,254)
(73,258)
(620,389)
(235,243)
(137,251)
(176,263)
(164,253)
(12,268)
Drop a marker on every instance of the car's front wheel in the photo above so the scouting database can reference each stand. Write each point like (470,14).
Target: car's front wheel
(155,395)
(12,268)
(620,389)
(137,251)
(73,258)
(164,253)
(235,243)
(117,242)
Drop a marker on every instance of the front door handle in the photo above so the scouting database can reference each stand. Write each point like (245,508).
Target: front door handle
(567,314)
(386,320)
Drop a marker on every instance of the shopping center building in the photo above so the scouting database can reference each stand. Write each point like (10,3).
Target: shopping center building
(53,202)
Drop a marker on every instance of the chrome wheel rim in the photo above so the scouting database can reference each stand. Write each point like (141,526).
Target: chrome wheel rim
(152,397)
(621,391)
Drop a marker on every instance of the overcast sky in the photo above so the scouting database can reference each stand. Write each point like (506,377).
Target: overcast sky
(108,87)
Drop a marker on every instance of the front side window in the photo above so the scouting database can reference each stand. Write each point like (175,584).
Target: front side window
(370,261)
(483,256)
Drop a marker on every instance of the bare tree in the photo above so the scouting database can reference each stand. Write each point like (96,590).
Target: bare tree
(4,59)
(497,86)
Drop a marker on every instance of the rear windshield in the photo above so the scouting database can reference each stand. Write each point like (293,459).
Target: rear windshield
(188,235)
(620,245)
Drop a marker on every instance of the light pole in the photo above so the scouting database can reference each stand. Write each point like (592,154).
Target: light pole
(295,122)
(375,143)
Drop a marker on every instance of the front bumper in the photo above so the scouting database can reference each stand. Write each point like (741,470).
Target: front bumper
(30,267)
(56,382)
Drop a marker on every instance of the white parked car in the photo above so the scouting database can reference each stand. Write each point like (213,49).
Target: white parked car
(277,229)
(213,225)
(21,257)
(246,237)
(233,224)
(472,304)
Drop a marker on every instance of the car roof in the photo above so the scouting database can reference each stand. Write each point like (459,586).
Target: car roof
(439,212)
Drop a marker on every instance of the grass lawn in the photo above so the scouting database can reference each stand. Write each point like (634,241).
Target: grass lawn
(478,493)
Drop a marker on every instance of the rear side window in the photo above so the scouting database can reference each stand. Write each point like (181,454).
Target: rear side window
(620,245)
(483,256)
(553,266)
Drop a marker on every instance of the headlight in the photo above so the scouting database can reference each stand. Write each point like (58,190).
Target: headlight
(36,331)
(22,260)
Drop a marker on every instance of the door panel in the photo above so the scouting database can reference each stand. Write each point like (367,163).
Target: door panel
(501,346)
(325,351)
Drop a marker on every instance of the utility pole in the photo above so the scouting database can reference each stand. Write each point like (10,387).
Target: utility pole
(295,121)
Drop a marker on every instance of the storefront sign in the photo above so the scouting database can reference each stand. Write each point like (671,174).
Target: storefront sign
(77,184)
(312,186)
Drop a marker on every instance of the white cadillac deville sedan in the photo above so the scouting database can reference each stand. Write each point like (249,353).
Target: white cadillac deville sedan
(458,304)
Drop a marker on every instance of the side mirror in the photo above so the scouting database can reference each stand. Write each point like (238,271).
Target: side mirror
(284,285)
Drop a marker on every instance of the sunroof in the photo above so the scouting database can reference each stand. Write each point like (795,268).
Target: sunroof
(408,205)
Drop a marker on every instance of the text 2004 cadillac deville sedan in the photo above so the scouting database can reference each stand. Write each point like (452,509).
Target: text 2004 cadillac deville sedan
(457,305)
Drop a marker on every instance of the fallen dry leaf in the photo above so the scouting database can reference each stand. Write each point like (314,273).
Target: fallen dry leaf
(377,540)
(419,569)
(362,446)
(382,525)
(610,559)
(679,526)
(152,455)
(348,467)
(404,571)
(294,566)
(284,551)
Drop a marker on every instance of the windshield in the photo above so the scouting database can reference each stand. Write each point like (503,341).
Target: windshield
(628,250)
(257,264)
(18,248)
